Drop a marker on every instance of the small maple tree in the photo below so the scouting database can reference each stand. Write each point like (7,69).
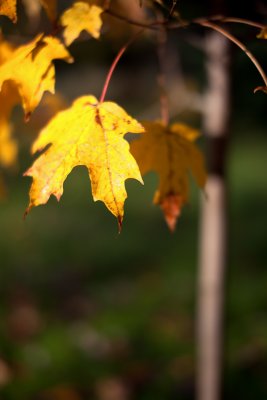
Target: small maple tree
(91,132)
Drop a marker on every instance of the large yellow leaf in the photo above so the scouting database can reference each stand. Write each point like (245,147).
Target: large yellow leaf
(9,8)
(31,69)
(91,134)
(171,153)
(83,15)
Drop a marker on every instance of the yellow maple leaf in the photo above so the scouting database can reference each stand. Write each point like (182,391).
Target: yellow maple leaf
(91,134)
(171,153)
(83,15)
(9,8)
(50,7)
(31,69)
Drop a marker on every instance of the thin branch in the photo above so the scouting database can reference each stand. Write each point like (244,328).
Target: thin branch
(152,25)
(240,21)
(174,2)
(216,18)
(238,43)
(115,62)
(155,25)
(161,50)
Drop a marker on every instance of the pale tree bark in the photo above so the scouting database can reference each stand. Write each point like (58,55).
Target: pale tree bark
(213,229)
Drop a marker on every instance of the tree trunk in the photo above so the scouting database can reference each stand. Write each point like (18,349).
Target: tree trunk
(213,240)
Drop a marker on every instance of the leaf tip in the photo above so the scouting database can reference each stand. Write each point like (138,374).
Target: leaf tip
(27,173)
(70,59)
(26,212)
(27,116)
(119,219)
(57,196)
(171,206)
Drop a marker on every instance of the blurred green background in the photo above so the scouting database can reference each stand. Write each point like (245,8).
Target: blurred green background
(90,314)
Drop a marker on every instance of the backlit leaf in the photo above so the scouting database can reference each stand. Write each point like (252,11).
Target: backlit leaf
(171,153)
(9,8)
(31,69)
(91,134)
(83,15)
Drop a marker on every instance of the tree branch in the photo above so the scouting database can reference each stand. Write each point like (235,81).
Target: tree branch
(236,41)
(152,25)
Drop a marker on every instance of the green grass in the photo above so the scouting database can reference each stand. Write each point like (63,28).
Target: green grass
(108,305)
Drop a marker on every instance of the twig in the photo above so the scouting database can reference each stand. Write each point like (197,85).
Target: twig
(174,2)
(152,25)
(115,62)
(233,39)
(161,50)
(240,21)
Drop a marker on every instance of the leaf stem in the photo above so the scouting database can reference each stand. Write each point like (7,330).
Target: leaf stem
(162,60)
(114,64)
(236,41)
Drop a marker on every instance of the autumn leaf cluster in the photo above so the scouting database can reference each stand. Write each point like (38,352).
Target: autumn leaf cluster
(90,132)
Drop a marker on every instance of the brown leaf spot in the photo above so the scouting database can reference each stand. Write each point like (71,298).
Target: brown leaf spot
(98,118)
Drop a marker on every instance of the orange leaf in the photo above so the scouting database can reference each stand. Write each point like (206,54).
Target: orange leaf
(9,8)
(91,134)
(171,153)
